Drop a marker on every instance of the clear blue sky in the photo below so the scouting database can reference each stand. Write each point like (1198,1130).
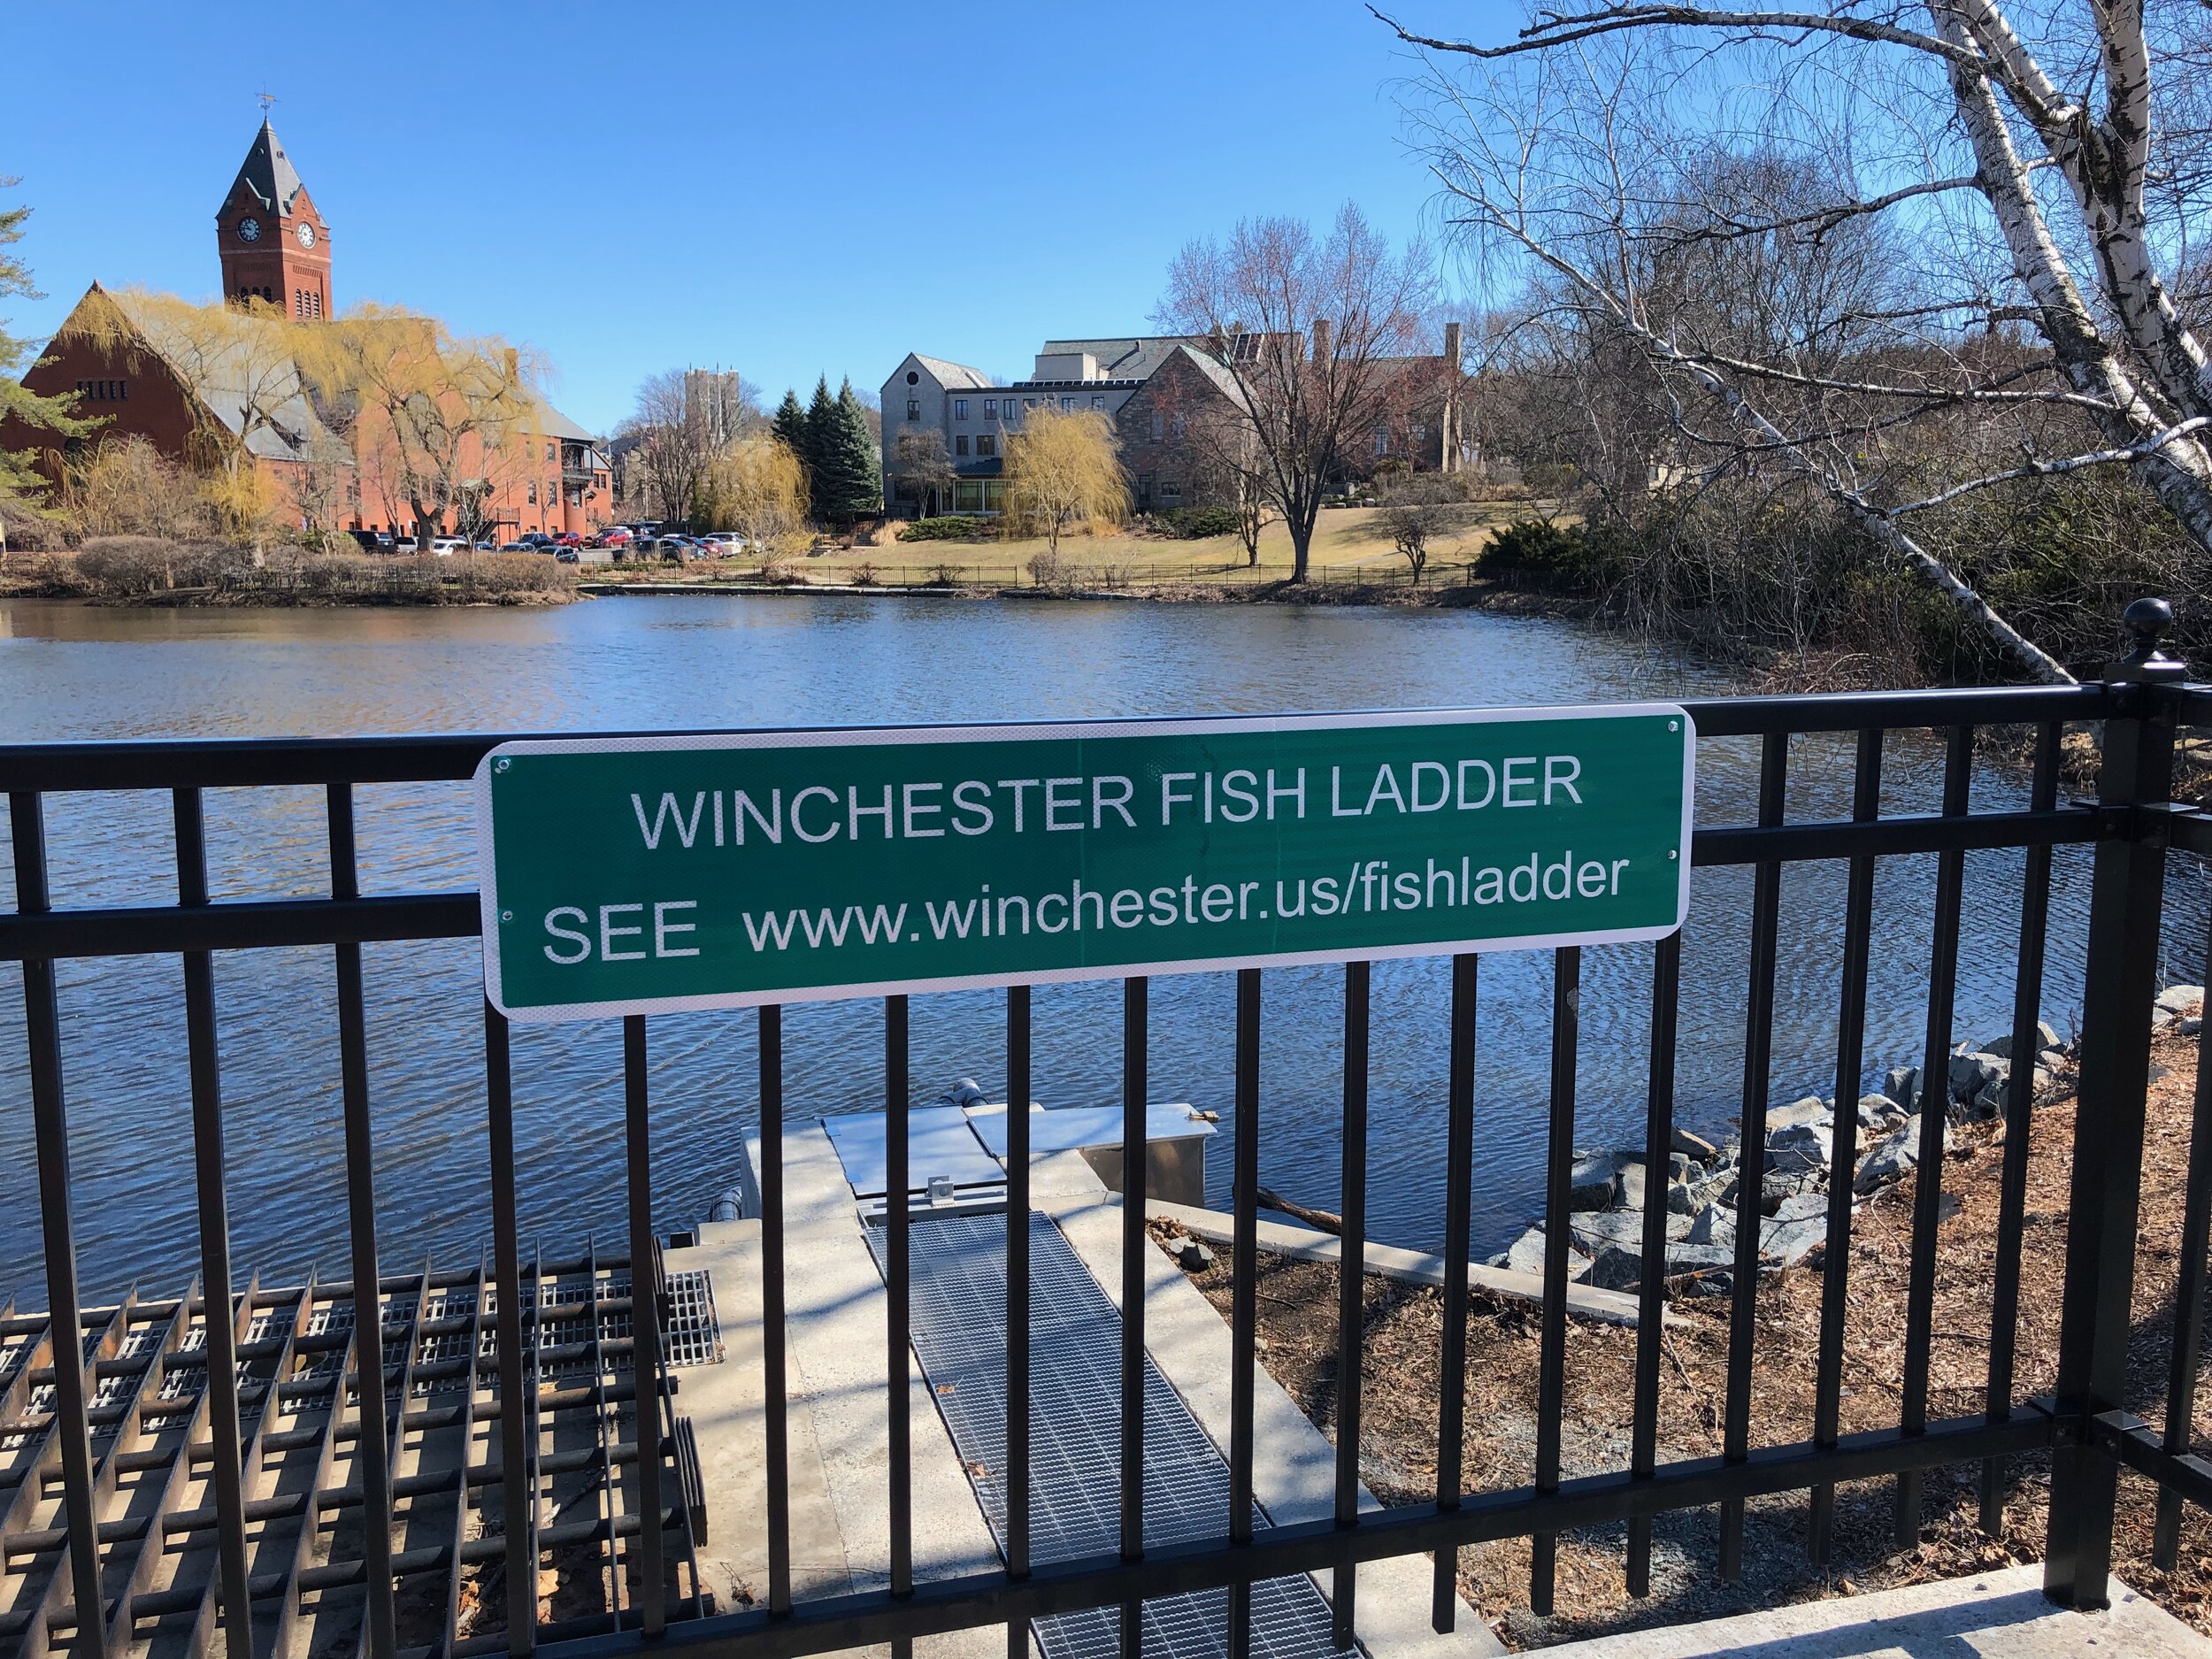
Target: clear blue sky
(783,191)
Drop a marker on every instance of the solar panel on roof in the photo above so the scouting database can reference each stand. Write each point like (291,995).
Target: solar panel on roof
(958,1322)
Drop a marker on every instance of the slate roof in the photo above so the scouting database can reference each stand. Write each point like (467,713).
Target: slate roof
(235,381)
(1127,358)
(953,376)
(267,171)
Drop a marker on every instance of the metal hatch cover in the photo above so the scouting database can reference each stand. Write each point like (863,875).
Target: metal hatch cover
(939,1143)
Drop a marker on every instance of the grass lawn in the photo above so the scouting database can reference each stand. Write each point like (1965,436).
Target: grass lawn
(1349,544)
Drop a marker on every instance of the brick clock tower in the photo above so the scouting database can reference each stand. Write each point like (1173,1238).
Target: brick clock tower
(275,247)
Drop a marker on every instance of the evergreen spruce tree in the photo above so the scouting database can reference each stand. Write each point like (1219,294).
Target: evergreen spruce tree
(852,485)
(789,424)
(821,422)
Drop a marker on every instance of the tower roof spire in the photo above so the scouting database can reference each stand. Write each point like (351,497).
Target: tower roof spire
(267,171)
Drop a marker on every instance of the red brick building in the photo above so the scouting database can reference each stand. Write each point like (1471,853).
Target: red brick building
(138,363)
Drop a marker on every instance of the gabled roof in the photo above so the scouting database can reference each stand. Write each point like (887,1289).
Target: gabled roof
(1128,357)
(268,173)
(953,376)
(253,389)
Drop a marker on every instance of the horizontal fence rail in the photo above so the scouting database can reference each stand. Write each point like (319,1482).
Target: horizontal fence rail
(244,1407)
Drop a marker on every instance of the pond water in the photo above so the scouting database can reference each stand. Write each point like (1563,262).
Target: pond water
(73,672)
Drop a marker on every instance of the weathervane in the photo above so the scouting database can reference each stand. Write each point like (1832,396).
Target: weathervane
(268,98)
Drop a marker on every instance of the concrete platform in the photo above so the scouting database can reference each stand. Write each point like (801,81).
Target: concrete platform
(1990,1616)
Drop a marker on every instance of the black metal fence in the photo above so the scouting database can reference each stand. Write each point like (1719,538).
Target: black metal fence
(85,1561)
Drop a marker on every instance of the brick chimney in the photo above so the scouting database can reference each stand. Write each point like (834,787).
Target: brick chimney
(1321,342)
(1451,347)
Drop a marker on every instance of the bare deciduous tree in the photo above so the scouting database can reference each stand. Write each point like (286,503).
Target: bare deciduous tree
(1305,326)
(1825,235)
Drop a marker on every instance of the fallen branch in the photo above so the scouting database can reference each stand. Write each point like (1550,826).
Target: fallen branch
(1321,1219)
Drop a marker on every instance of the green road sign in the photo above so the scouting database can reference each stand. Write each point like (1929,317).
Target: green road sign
(651,874)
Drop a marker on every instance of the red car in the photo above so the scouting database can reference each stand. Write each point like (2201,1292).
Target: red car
(614,535)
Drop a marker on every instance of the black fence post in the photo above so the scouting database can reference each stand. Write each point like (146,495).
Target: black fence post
(2126,896)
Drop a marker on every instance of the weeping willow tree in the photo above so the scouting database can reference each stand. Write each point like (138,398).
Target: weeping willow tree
(1063,471)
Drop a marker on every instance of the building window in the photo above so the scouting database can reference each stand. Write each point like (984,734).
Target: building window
(1067,405)
(959,409)
(1159,425)
(549,454)
(960,443)
(1382,440)
(1027,403)
(1181,424)
(990,409)
(1098,400)
(985,444)
(1420,433)
(531,489)
(1171,492)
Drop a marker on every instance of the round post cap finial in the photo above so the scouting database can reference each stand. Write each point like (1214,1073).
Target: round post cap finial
(2149,620)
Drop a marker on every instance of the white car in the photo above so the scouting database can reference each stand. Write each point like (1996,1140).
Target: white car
(723,543)
(446,546)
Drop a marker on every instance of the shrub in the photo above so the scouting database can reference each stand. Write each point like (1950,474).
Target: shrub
(952,528)
(1539,548)
(134,564)
(1199,523)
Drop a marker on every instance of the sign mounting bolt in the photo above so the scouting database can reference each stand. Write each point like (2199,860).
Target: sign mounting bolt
(506,916)
(1673,725)
(503,765)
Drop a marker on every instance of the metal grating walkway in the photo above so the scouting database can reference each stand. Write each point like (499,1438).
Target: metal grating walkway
(959,1332)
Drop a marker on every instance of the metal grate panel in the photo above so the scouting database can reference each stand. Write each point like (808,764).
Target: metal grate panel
(959,1332)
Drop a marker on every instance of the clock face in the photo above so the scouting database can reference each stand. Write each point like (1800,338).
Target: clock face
(249,229)
(306,234)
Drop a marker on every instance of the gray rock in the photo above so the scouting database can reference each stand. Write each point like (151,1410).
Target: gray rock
(2187,1026)
(1800,1147)
(1592,1231)
(2178,1000)
(1894,1158)
(1715,1225)
(1809,1109)
(1614,1268)
(1525,1254)
(1681,1167)
(1629,1195)
(1903,1084)
(1594,1180)
(1195,1257)
(1692,1196)
(1975,1074)
(1875,1111)
(1803,1207)
(2001,1046)
(1790,1242)
(1698,1258)
(1694,1145)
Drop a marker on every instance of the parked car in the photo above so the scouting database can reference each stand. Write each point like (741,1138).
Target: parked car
(446,546)
(405,544)
(723,543)
(516,547)
(373,541)
(566,556)
(568,538)
(613,536)
(485,544)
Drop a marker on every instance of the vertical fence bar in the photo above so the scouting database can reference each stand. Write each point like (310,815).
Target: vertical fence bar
(1244,1295)
(2012,1199)
(2120,978)
(1843,1149)
(49,1125)
(645,1322)
(898,1284)
(2196,1237)
(219,1321)
(774,1362)
(517,1499)
(371,1458)
(1459,1161)
(1551,1364)
(1766,904)
(1017,1091)
(1934,1105)
(1135,1087)
(1643,1454)
(1351,1290)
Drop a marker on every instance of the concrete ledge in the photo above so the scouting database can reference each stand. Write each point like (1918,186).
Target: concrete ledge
(1990,1616)
(1412,1267)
